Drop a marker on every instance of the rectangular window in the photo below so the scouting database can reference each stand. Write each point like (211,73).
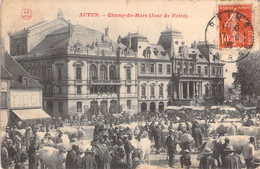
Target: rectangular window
(206,70)
(128,103)
(169,90)
(39,73)
(48,89)
(152,68)
(79,106)
(48,74)
(78,73)
(128,74)
(220,71)
(143,91)
(39,63)
(60,90)
(60,105)
(143,68)
(25,81)
(168,69)
(59,74)
(79,90)
(213,71)
(199,70)
(160,91)
(3,100)
(152,91)
(160,69)
(128,88)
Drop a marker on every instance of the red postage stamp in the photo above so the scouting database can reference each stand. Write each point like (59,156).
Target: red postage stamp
(235,26)
(26,13)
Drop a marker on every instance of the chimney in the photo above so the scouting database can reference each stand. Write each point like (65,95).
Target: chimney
(129,40)
(70,29)
(106,31)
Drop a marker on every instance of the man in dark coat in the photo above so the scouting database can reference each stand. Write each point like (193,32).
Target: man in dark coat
(5,160)
(171,147)
(88,161)
(207,162)
(33,161)
(158,138)
(232,160)
(197,135)
(71,158)
(222,151)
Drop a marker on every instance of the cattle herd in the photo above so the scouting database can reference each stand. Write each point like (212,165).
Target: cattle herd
(133,143)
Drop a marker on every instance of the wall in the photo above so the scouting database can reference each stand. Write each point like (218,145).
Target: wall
(25,98)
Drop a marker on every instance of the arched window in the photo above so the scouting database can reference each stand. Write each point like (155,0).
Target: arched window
(112,72)
(19,48)
(103,72)
(128,74)
(191,68)
(79,106)
(93,72)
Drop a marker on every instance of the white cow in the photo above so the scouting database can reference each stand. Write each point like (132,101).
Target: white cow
(145,146)
(52,157)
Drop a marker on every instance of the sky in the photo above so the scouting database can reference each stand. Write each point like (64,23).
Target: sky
(197,15)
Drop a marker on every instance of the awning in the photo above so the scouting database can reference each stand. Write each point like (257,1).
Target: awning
(30,114)
(174,108)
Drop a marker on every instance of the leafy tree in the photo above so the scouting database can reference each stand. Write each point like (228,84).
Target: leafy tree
(248,75)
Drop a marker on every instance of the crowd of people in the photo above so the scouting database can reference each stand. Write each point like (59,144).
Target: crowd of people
(113,146)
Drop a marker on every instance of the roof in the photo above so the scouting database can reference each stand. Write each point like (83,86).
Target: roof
(49,42)
(135,35)
(63,38)
(5,74)
(162,54)
(17,71)
(171,30)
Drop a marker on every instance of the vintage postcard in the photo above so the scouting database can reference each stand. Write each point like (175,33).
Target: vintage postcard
(130,84)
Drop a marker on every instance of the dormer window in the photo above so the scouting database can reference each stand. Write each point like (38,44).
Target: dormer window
(19,48)
(25,81)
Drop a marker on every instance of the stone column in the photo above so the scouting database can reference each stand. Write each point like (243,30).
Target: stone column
(188,90)
(194,89)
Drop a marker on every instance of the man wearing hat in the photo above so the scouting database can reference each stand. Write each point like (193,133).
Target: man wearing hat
(72,157)
(222,150)
(185,159)
(171,147)
(207,162)
(88,161)
(248,152)
(232,160)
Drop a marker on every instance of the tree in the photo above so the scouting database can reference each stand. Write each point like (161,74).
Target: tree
(248,75)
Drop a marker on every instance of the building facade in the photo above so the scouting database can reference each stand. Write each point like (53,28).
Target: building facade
(84,71)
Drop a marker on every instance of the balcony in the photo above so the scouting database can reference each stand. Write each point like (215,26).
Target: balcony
(105,82)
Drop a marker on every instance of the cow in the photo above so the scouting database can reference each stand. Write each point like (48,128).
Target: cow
(253,131)
(52,157)
(214,144)
(145,146)
(231,130)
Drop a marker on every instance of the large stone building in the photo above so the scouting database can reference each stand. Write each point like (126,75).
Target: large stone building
(83,70)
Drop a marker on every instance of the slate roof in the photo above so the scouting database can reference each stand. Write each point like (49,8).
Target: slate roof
(171,30)
(5,74)
(62,38)
(162,54)
(17,71)
(135,35)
